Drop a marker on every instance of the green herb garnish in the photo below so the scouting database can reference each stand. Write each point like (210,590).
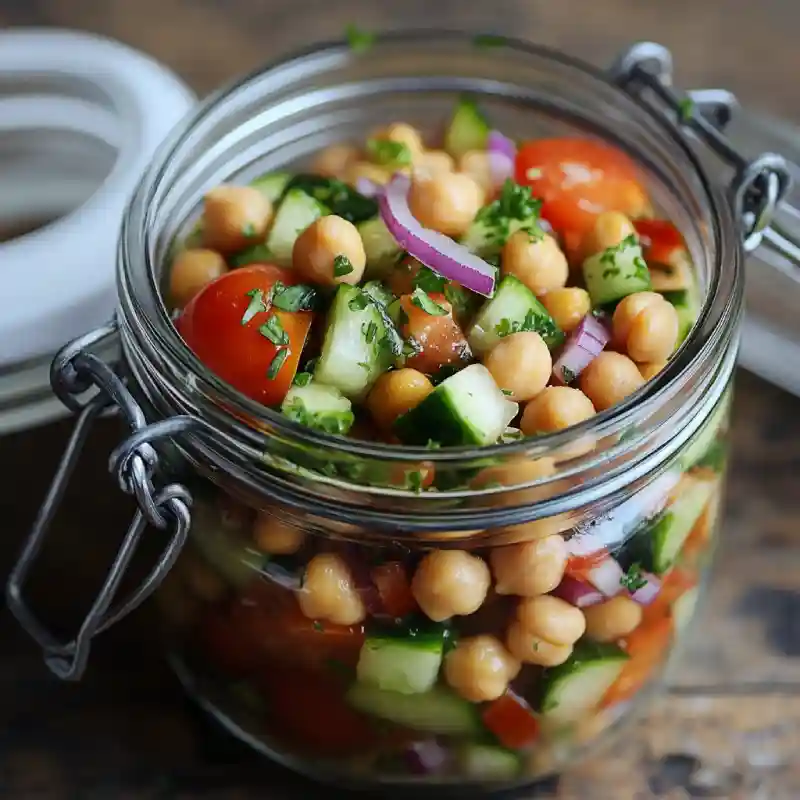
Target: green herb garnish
(359,40)
(358,303)
(421,300)
(341,266)
(277,362)
(515,203)
(538,323)
(339,198)
(249,230)
(256,305)
(633,579)
(414,480)
(302,379)
(300,297)
(685,109)
(388,153)
(427,280)
(507,392)
(567,375)
(274,331)
(369,330)
(336,423)
(318,626)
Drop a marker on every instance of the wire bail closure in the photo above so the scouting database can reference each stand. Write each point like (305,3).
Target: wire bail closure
(758,185)
(74,371)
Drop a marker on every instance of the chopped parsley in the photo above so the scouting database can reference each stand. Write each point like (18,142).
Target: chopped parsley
(300,297)
(249,230)
(421,300)
(302,379)
(411,347)
(369,330)
(515,204)
(359,40)
(358,303)
(488,41)
(432,444)
(318,626)
(714,458)
(538,323)
(567,375)
(633,579)
(334,422)
(274,331)
(364,365)
(339,198)
(277,362)
(389,153)
(256,305)
(685,109)
(610,254)
(507,392)
(311,365)
(427,280)
(414,480)
(341,266)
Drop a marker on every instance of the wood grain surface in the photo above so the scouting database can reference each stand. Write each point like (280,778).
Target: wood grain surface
(729,724)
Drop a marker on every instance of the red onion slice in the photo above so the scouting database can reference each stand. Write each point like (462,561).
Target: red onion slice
(425,758)
(368,187)
(584,344)
(646,594)
(578,593)
(435,250)
(502,153)
(606,577)
(498,142)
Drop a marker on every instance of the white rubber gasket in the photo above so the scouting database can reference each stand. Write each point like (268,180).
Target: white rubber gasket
(67,96)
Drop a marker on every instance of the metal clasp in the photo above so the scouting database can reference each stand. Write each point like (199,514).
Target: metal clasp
(758,185)
(75,371)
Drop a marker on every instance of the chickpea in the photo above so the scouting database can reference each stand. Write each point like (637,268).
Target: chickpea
(646,326)
(201,580)
(396,392)
(319,246)
(610,378)
(328,592)
(402,133)
(531,568)
(334,161)
(446,202)
(234,217)
(277,537)
(371,172)
(556,408)
(432,162)
(191,271)
(650,370)
(531,649)
(521,364)
(537,261)
(477,165)
(613,619)
(480,668)
(449,583)
(567,306)
(553,619)
(610,228)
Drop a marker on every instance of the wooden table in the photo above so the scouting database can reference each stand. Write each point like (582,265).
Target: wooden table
(729,726)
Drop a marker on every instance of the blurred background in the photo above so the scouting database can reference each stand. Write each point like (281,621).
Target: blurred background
(730,726)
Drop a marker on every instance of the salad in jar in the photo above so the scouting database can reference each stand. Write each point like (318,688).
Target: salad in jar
(457,292)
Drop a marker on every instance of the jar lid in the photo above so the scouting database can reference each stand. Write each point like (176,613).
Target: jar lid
(80,117)
(770,345)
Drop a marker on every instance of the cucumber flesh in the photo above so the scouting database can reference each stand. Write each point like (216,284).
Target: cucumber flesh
(468,129)
(616,273)
(321,407)
(381,249)
(683,608)
(436,711)
(257,254)
(574,688)
(336,196)
(706,437)
(466,408)
(485,762)
(407,666)
(272,185)
(378,292)
(513,308)
(687,304)
(295,213)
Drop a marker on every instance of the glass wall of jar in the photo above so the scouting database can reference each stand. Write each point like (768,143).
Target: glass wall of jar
(366,612)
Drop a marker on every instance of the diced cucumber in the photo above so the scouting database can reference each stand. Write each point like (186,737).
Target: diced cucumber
(337,197)
(272,185)
(355,350)
(468,129)
(706,437)
(318,406)
(683,608)
(379,292)
(687,304)
(380,247)
(572,689)
(484,762)
(673,276)
(657,545)
(615,273)
(257,254)
(466,408)
(295,213)
(513,308)
(223,549)
(437,711)
(407,666)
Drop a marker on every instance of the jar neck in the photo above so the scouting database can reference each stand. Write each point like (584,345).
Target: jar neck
(284,113)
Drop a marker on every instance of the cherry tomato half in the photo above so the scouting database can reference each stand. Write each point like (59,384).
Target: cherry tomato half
(223,326)
(441,341)
(660,239)
(577,179)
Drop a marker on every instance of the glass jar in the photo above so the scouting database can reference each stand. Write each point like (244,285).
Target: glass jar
(308,556)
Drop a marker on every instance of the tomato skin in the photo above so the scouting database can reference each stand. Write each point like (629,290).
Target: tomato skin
(441,340)
(211,325)
(580,567)
(512,721)
(394,588)
(577,179)
(660,239)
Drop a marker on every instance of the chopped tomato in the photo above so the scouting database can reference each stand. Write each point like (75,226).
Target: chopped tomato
(440,340)
(660,239)
(224,326)
(227,649)
(308,706)
(674,585)
(646,648)
(394,588)
(579,567)
(512,721)
(578,179)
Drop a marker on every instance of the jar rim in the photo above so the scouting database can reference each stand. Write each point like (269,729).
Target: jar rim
(248,418)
